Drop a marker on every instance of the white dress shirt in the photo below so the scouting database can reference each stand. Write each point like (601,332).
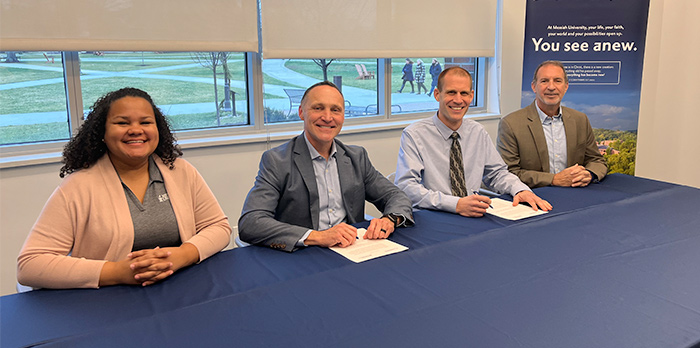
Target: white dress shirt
(423,168)
(556,140)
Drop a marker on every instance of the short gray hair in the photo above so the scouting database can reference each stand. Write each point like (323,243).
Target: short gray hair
(550,62)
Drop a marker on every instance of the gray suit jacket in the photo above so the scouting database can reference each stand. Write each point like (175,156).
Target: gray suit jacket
(284,203)
(522,145)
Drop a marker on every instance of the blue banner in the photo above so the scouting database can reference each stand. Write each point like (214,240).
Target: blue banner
(601,44)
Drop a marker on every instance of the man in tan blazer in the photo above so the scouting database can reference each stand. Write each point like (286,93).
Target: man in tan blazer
(549,144)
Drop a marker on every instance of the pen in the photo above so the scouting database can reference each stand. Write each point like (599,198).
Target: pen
(477,193)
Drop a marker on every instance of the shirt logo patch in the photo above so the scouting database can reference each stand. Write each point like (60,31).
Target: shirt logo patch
(162,198)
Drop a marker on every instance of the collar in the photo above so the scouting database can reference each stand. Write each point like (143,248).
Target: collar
(153,171)
(312,150)
(154,174)
(444,130)
(543,116)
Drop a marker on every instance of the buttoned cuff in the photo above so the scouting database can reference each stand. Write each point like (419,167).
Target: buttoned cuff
(449,204)
(408,220)
(301,241)
(594,177)
(405,221)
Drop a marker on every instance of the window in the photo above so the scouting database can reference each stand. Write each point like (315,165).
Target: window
(285,81)
(194,90)
(224,97)
(45,94)
(413,81)
(33,98)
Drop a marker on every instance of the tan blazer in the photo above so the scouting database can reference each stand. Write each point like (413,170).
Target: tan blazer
(86,222)
(522,145)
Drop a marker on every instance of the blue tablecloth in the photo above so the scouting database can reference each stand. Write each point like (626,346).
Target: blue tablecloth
(616,264)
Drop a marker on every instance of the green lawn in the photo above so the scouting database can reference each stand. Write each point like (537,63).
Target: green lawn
(123,65)
(138,55)
(13,75)
(163,92)
(236,70)
(205,120)
(51,97)
(34,132)
(337,68)
(37,58)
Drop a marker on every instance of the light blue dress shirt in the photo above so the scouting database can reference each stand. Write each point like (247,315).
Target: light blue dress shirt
(423,167)
(330,197)
(556,140)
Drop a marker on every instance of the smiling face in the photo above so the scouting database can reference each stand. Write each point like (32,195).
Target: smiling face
(454,98)
(549,86)
(323,112)
(131,133)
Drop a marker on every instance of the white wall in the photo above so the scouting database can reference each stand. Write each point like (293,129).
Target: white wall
(230,170)
(668,120)
(23,192)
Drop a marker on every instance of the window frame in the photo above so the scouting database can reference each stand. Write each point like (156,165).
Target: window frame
(256,131)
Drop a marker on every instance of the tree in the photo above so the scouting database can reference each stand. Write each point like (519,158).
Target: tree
(12,57)
(624,161)
(625,142)
(324,63)
(211,60)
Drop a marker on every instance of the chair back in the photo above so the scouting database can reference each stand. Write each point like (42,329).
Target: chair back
(295,95)
(368,74)
(360,73)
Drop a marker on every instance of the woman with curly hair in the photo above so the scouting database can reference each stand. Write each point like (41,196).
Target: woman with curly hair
(129,210)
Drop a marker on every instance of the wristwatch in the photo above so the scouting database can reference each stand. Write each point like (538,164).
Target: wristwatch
(396,219)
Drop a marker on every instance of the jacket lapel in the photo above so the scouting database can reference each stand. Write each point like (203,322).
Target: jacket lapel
(345,171)
(571,141)
(535,126)
(302,160)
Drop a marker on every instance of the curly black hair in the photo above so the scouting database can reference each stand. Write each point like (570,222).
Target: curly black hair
(86,147)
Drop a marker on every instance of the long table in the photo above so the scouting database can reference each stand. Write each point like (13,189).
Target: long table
(616,264)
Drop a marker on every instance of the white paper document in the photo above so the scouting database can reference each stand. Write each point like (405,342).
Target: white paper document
(367,249)
(505,210)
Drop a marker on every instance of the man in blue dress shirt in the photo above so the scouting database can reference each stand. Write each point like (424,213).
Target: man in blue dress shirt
(424,166)
(549,144)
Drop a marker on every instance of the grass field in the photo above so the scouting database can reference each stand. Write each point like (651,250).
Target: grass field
(337,68)
(14,75)
(35,132)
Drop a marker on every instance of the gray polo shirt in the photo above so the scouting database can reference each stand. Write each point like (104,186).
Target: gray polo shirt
(154,219)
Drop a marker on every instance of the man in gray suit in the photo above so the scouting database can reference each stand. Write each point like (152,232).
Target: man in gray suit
(549,144)
(312,188)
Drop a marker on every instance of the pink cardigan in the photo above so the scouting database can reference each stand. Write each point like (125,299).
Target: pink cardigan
(87,216)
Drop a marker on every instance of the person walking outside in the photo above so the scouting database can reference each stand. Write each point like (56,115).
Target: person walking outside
(420,76)
(407,75)
(435,70)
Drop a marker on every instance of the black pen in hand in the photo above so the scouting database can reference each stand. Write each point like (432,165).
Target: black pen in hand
(477,193)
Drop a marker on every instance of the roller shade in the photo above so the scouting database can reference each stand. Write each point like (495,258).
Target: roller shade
(129,25)
(378,28)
